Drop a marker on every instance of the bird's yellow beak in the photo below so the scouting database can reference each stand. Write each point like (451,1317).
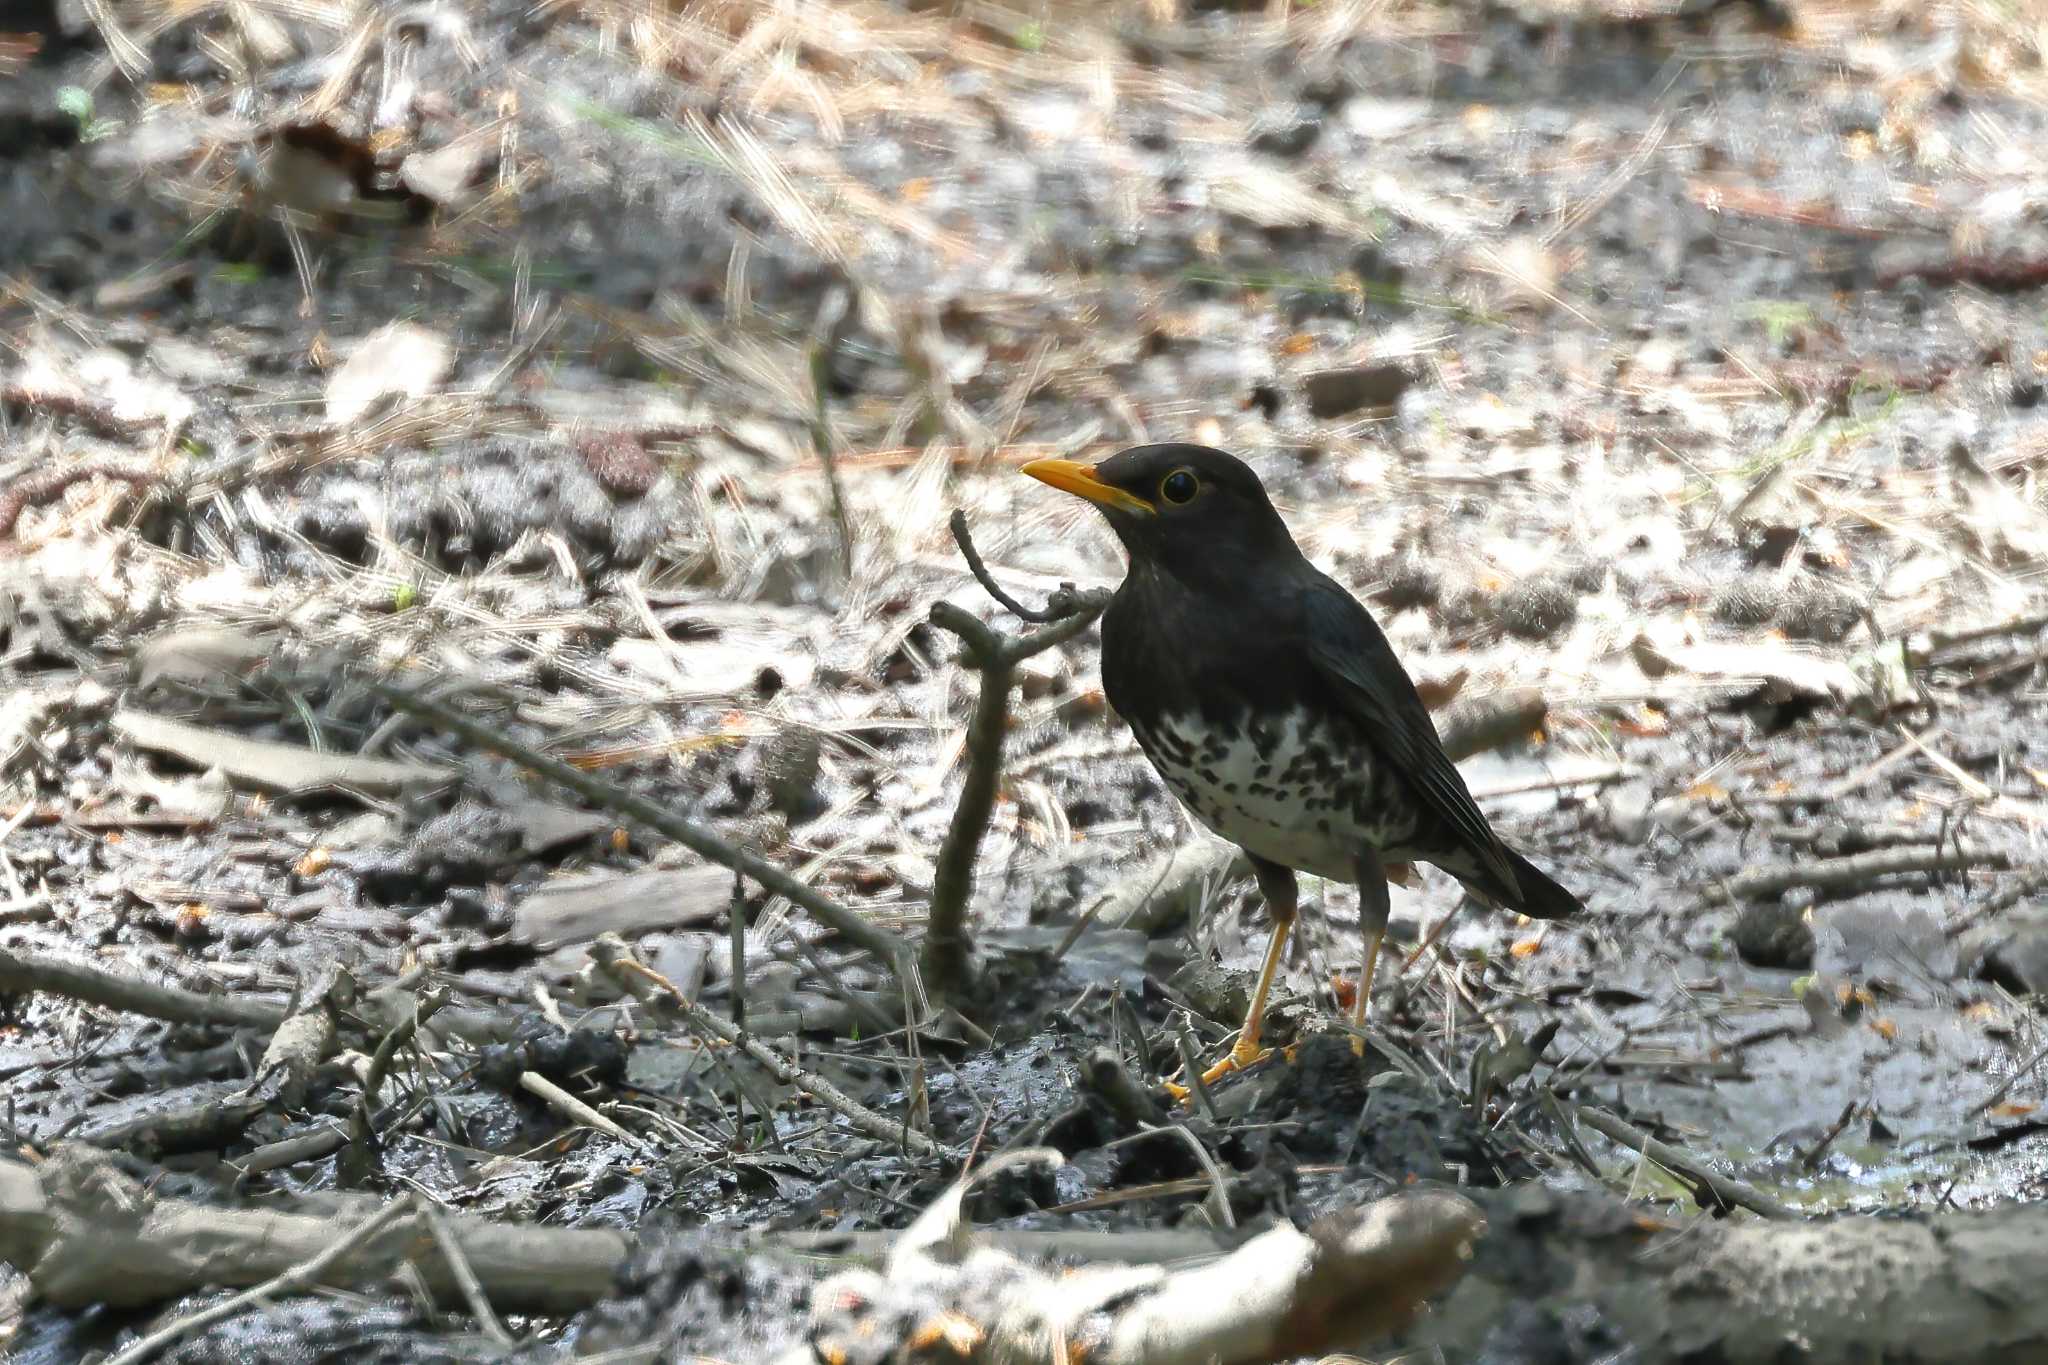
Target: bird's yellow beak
(1071,476)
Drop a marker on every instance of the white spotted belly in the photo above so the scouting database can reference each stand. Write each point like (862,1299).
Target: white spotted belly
(1305,800)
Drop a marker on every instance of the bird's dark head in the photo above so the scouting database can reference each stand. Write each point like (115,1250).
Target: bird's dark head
(1192,511)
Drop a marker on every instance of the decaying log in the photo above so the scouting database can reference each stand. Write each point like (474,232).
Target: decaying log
(86,1233)
(1954,1286)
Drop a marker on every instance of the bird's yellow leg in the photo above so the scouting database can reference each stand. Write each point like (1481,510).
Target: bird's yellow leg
(1248,1050)
(1372,957)
(1374,905)
(1276,883)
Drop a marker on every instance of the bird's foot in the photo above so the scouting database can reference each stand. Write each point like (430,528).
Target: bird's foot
(1246,1054)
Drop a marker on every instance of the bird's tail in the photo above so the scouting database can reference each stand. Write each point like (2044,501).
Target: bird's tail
(1535,894)
(1541,897)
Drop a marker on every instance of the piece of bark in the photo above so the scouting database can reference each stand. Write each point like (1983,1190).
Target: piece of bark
(265,764)
(571,910)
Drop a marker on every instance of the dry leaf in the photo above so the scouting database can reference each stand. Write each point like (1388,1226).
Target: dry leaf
(399,360)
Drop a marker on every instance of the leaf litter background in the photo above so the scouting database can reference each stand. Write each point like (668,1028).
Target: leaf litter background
(1680,366)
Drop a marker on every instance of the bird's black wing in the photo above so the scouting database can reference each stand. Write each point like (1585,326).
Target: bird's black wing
(1352,654)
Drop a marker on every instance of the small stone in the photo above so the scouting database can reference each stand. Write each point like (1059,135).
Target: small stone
(1537,608)
(1627,807)
(790,765)
(618,461)
(1376,384)
(2012,951)
(1773,934)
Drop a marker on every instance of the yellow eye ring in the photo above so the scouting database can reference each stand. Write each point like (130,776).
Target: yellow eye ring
(1180,486)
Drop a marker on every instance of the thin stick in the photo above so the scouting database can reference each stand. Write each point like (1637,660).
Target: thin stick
(996,656)
(1857,870)
(362,1119)
(1068,600)
(465,1275)
(299,1277)
(689,834)
(571,1108)
(1732,1193)
(2021,1073)
(975,566)
(658,993)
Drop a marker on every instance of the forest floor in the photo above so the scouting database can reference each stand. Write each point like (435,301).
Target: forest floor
(1668,377)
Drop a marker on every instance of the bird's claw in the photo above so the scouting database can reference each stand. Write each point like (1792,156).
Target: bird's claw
(1246,1054)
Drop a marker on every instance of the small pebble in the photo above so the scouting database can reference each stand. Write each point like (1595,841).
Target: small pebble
(1537,608)
(1773,934)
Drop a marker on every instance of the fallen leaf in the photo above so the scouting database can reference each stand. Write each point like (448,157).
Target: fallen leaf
(400,359)
(447,175)
(571,910)
(201,655)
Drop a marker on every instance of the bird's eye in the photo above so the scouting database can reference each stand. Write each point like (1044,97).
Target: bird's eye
(1180,486)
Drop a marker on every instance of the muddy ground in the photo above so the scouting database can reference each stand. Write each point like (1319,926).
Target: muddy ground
(1679,366)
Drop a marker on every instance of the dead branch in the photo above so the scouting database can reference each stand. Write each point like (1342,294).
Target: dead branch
(21,973)
(1726,1192)
(85,1233)
(947,944)
(302,1042)
(883,944)
(657,993)
(1856,871)
(292,1280)
(1956,1287)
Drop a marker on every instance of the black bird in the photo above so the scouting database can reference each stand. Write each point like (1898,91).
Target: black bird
(1273,706)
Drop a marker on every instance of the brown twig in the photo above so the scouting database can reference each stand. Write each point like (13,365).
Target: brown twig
(947,945)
